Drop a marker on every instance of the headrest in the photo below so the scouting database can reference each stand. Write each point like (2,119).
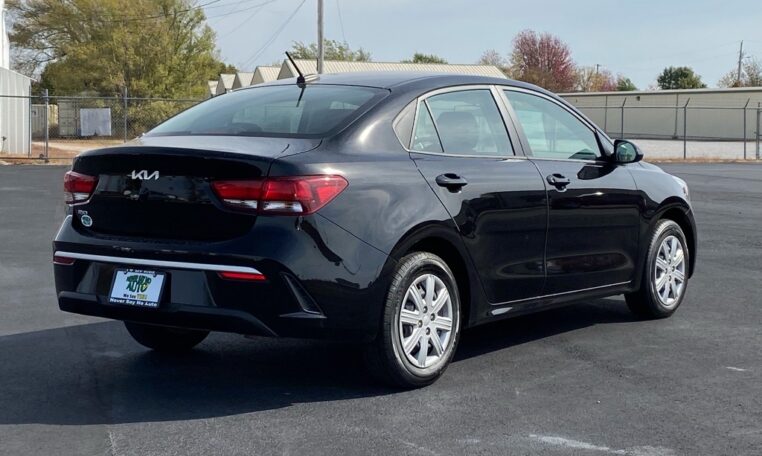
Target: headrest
(458,130)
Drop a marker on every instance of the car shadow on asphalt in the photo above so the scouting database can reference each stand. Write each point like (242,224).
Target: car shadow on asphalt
(95,374)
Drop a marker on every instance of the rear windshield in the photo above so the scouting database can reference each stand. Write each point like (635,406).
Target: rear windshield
(286,110)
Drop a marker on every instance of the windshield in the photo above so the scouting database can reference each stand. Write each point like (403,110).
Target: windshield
(285,110)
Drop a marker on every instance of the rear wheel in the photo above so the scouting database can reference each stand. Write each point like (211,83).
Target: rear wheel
(665,275)
(165,339)
(420,326)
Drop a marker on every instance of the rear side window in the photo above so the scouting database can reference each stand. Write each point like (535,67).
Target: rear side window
(425,138)
(469,123)
(287,110)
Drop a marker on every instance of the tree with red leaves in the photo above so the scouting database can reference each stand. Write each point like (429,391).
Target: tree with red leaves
(543,60)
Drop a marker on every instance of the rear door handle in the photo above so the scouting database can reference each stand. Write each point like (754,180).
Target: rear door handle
(558,180)
(451,181)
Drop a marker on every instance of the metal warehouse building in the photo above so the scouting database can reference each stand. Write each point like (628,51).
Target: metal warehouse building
(287,70)
(261,74)
(15,111)
(722,114)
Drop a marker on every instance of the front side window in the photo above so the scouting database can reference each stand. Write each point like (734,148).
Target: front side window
(552,131)
(285,110)
(469,123)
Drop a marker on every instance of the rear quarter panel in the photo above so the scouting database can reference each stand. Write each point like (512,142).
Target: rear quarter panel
(388,204)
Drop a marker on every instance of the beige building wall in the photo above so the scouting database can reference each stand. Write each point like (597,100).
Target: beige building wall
(710,113)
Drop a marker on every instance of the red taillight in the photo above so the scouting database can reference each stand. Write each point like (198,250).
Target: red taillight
(230,275)
(281,195)
(242,194)
(78,187)
(62,260)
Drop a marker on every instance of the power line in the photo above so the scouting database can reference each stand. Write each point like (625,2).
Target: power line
(242,10)
(157,16)
(229,5)
(341,22)
(257,9)
(275,35)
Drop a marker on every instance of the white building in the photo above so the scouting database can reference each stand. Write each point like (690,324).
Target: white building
(720,114)
(212,88)
(5,45)
(258,76)
(287,70)
(262,74)
(15,104)
(242,79)
(265,74)
(225,83)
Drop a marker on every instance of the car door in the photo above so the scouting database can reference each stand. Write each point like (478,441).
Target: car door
(462,147)
(594,208)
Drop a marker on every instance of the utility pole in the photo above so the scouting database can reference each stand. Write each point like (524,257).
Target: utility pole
(597,67)
(321,51)
(740,61)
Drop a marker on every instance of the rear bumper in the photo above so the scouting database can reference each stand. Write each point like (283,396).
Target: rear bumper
(184,316)
(320,281)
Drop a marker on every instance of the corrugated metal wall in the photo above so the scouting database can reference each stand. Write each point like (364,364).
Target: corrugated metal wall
(15,120)
(710,113)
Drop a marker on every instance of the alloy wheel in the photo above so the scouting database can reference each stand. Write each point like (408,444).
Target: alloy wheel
(425,321)
(669,271)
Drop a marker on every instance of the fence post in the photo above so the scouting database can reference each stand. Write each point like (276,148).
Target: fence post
(621,135)
(744,127)
(31,127)
(606,114)
(125,114)
(677,112)
(685,130)
(47,123)
(759,114)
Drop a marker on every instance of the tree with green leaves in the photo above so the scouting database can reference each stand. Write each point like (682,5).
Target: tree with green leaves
(419,57)
(333,50)
(625,84)
(151,48)
(679,78)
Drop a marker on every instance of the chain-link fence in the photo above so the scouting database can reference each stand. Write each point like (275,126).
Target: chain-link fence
(61,127)
(685,130)
(53,127)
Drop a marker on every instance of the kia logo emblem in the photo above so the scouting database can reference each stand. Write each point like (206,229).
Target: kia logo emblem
(143,175)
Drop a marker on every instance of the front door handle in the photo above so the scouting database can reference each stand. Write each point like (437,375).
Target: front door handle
(558,180)
(451,181)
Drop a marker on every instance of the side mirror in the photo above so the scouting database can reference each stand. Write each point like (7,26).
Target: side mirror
(626,152)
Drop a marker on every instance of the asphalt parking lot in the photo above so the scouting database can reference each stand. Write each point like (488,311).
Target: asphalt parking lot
(586,379)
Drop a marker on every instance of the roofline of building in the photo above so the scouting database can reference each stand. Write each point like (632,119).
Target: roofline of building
(397,63)
(17,73)
(660,92)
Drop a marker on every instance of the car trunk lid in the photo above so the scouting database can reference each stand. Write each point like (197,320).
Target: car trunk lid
(160,188)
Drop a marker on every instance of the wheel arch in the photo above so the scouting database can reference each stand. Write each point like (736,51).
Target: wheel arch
(679,212)
(444,241)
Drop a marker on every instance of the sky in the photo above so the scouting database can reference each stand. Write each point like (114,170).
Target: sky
(636,38)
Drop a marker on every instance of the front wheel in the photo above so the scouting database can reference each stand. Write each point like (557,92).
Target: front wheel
(420,326)
(665,275)
(165,339)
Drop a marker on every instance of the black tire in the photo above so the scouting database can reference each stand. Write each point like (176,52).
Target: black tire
(385,357)
(646,303)
(165,339)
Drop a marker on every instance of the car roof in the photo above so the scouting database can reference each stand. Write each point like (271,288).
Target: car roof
(398,79)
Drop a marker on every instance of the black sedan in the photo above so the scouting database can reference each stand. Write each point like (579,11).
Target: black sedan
(393,209)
